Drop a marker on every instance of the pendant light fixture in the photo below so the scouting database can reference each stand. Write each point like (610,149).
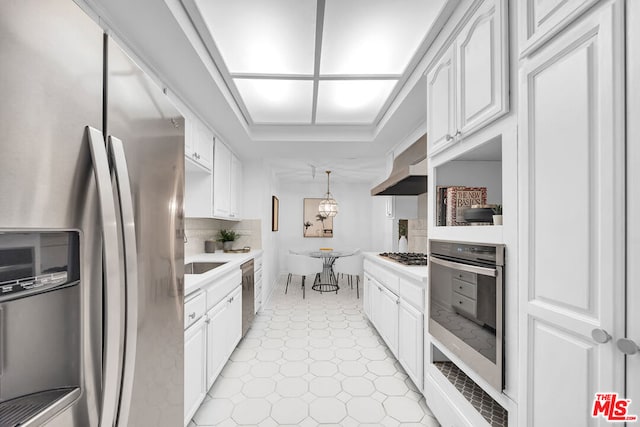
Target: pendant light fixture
(328,206)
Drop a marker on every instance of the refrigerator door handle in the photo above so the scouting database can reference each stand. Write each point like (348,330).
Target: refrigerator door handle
(112,339)
(121,171)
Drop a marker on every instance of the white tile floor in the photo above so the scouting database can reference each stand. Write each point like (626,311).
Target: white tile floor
(313,362)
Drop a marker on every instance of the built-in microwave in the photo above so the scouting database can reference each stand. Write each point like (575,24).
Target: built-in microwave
(466,304)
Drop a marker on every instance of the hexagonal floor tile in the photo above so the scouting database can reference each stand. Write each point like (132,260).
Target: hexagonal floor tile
(321,354)
(348,354)
(235,369)
(295,354)
(327,410)
(293,369)
(251,411)
(324,386)
(358,386)
(381,367)
(403,409)
(365,409)
(323,369)
(374,353)
(269,355)
(259,387)
(391,386)
(225,387)
(352,369)
(213,411)
(265,369)
(292,387)
(289,410)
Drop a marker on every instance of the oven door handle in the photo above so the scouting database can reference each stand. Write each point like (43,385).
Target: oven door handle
(465,267)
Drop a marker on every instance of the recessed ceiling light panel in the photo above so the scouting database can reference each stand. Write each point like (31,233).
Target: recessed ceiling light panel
(351,101)
(374,36)
(263,37)
(277,101)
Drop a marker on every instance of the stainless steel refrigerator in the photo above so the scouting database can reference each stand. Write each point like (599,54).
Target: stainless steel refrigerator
(91,228)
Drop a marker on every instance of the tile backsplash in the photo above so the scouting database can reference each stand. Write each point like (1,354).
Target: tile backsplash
(417,238)
(197,230)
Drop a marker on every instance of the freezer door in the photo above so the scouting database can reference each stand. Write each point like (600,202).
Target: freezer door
(51,86)
(152,135)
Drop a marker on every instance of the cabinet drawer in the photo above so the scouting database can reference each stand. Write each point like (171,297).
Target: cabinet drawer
(464,304)
(385,277)
(257,276)
(222,286)
(465,276)
(257,263)
(194,309)
(465,288)
(412,293)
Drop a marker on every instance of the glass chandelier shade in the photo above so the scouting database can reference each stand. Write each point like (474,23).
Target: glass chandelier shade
(328,206)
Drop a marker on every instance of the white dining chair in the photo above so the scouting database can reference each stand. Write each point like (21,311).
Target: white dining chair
(302,265)
(352,266)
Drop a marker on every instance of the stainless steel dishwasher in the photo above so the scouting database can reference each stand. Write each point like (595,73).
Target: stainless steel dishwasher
(248,309)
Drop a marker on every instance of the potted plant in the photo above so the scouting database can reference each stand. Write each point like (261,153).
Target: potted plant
(227,237)
(497,215)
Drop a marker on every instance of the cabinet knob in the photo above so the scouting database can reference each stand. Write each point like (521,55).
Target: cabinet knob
(448,137)
(627,346)
(458,133)
(600,336)
(192,316)
(207,321)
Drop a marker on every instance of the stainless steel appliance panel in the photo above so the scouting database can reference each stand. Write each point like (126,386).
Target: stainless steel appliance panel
(152,135)
(248,296)
(51,86)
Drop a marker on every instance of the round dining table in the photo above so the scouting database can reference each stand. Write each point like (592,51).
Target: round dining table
(327,282)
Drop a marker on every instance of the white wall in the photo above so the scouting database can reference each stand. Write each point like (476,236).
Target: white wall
(352,227)
(259,185)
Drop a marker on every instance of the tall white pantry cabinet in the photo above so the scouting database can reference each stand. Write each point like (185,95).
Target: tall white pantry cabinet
(579,246)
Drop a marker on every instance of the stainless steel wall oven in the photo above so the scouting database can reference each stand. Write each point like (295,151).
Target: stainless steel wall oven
(466,304)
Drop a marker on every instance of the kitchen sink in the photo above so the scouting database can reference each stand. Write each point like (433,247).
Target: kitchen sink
(201,267)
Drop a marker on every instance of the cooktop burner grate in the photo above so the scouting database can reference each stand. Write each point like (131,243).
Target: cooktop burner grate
(406,258)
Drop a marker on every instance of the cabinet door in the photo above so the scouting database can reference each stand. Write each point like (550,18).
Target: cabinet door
(441,92)
(572,159)
(411,342)
(482,68)
(195,350)
(538,20)
(236,187)
(221,180)
(217,352)
(190,135)
(387,313)
(205,147)
(366,295)
(234,319)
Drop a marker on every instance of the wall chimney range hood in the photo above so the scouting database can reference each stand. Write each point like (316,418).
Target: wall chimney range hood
(409,174)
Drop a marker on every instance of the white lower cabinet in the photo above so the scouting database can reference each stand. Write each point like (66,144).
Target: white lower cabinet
(410,340)
(209,342)
(195,353)
(386,317)
(399,319)
(216,334)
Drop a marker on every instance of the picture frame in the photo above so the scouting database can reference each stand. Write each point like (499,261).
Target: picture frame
(314,225)
(275,212)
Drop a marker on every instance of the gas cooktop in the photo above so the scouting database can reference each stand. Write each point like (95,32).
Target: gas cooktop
(406,258)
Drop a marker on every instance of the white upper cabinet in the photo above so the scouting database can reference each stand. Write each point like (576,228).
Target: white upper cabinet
(572,219)
(539,20)
(468,87)
(236,185)
(441,93)
(198,143)
(222,181)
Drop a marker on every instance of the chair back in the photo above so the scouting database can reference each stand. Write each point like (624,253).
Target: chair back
(302,265)
(352,265)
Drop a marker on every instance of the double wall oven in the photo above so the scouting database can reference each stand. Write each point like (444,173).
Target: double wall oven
(466,304)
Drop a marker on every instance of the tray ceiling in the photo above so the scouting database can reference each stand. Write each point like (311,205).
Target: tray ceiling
(314,62)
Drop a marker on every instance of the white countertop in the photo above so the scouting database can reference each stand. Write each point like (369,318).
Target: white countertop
(415,272)
(192,282)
